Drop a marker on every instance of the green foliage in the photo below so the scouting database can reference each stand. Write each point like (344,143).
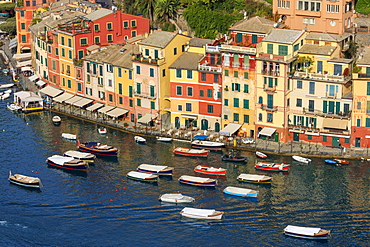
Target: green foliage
(35,21)
(352,50)
(356,69)
(362,7)
(7,6)
(168,27)
(9,26)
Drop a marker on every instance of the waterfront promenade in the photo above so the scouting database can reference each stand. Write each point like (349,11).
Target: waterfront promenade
(185,135)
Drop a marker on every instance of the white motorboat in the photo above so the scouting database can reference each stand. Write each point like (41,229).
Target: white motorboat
(164,139)
(9,91)
(69,136)
(140,139)
(6,85)
(176,198)
(207,145)
(14,107)
(301,159)
(57,120)
(87,157)
(102,130)
(205,214)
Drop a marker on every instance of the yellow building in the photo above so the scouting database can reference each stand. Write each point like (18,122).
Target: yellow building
(66,55)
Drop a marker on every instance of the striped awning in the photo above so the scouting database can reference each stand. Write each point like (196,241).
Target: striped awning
(230,129)
(117,112)
(73,100)
(82,102)
(51,91)
(63,97)
(266,131)
(95,106)
(146,118)
(106,109)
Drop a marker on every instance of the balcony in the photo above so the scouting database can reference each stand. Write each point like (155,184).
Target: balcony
(148,60)
(321,76)
(331,95)
(313,112)
(269,108)
(146,96)
(210,48)
(362,75)
(236,65)
(208,68)
(266,87)
(239,49)
(270,72)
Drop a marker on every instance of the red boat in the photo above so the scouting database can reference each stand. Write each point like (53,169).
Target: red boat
(191,152)
(261,155)
(209,170)
(274,167)
(341,161)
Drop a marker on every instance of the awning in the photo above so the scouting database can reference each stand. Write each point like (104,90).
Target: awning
(22,56)
(13,43)
(63,97)
(33,77)
(230,129)
(106,109)
(332,123)
(200,137)
(95,106)
(117,112)
(189,116)
(73,99)
(266,131)
(146,118)
(40,83)
(24,63)
(26,69)
(82,102)
(51,91)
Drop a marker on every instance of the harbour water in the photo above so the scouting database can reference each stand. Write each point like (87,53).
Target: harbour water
(104,208)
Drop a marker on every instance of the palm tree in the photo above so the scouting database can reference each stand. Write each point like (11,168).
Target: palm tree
(166,9)
(146,7)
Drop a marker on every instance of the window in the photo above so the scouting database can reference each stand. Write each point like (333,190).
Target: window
(283,50)
(178,90)
(63,52)
(203,76)
(151,72)
(70,54)
(269,117)
(22,13)
(57,51)
(96,28)
(245,104)
(358,122)
(210,108)
(236,117)
(152,105)
(54,65)
(236,102)
(312,87)
(235,87)
(130,74)
(23,26)
(188,107)
(110,38)
(138,70)
(337,69)
(109,26)
(260,100)
(226,102)
(133,34)
(236,74)
(125,24)
(131,103)
(83,42)
(368,88)
(246,118)
(120,100)
(138,102)
(178,73)
(120,88)
(97,40)
(179,107)
(215,78)
(246,75)
(239,37)
(69,83)
(24,38)
(133,23)
(190,91)
(164,72)
(260,117)
(79,87)
(226,116)
(209,93)
(254,38)
(138,88)
(189,74)
(70,43)
(62,40)
(270,49)
(296,47)
(201,93)
(299,84)
(324,138)
(130,91)
(175,51)
(246,88)
(299,103)
(226,72)
(311,105)
(110,96)
(152,90)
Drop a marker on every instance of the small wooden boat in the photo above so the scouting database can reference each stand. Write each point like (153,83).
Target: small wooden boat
(209,170)
(69,136)
(164,139)
(87,157)
(204,214)
(232,158)
(102,130)
(197,181)
(254,178)
(306,232)
(176,198)
(140,139)
(2,86)
(97,148)
(202,153)
(67,163)
(331,162)
(207,145)
(237,191)
(261,155)
(25,181)
(57,120)
(14,107)
(341,161)
(141,176)
(156,169)
(273,167)
(301,159)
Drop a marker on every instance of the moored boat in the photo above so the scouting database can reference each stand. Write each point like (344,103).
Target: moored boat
(25,181)
(202,153)
(197,181)
(341,161)
(307,232)
(67,163)
(301,159)
(87,157)
(232,158)
(141,176)
(164,139)
(102,130)
(209,170)
(140,139)
(57,120)
(261,155)
(8,85)
(274,167)
(331,162)
(205,214)
(5,96)
(176,198)
(156,169)
(69,136)
(14,107)
(237,191)
(207,145)
(254,178)
(97,148)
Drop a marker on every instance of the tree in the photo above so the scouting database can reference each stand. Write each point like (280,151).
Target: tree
(9,26)
(146,7)
(352,50)
(166,9)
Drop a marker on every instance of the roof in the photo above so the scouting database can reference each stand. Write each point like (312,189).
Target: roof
(340,60)
(187,61)
(283,36)
(364,58)
(100,13)
(254,25)
(198,42)
(158,39)
(326,37)
(326,50)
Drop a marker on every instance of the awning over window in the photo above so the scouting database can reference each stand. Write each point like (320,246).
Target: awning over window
(40,83)
(22,56)
(230,129)
(63,97)
(51,91)
(266,131)
(73,100)
(27,68)
(33,77)
(146,118)
(13,43)
(82,102)
(189,116)
(332,123)
(95,106)
(24,63)
(106,109)
(117,112)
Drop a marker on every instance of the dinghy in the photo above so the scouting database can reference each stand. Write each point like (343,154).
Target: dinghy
(97,148)
(254,178)
(69,136)
(201,153)
(237,191)
(156,169)
(307,232)
(301,159)
(164,139)
(209,170)
(25,181)
(102,130)
(273,167)
(176,198)
(141,176)
(207,145)
(67,163)
(140,139)
(204,214)
(87,157)
(57,120)
(261,155)
(197,181)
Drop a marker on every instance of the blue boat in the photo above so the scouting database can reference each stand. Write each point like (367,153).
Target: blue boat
(332,162)
(237,191)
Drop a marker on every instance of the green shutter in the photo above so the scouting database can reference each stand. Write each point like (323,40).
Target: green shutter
(325,106)
(270,49)
(368,88)
(337,107)
(151,90)
(294,120)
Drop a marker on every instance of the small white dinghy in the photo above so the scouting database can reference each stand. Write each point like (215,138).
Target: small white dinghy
(5,96)
(69,136)
(140,139)
(176,198)
(102,130)
(57,120)
(204,214)
(301,159)
(6,85)
(237,191)
(306,232)
(87,157)
(164,139)
(14,107)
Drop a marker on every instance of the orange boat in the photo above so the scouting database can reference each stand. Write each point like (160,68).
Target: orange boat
(341,161)
(209,170)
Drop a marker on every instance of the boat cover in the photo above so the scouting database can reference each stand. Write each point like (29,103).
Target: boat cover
(196,179)
(197,211)
(309,231)
(200,137)
(238,190)
(173,196)
(78,154)
(252,176)
(152,167)
(210,168)
(60,160)
(141,175)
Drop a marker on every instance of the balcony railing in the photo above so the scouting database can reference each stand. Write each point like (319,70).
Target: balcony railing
(210,48)
(269,108)
(362,75)
(320,76)
(143,95)
(266,87)
(239,49)
(209,68)
(308,111)
(140,58)
(270,72)
(331,95)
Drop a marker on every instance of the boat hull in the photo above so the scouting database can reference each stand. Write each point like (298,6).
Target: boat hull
(160,173)
(277,168)
(201,184)
(227,157)
(255,194)
(176,198)
(203,170)
(266,181)
(147,180)
(331,162)
(201,146)
(320,237)
(35,185)
(184,152)
(113,152)
(78,168)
